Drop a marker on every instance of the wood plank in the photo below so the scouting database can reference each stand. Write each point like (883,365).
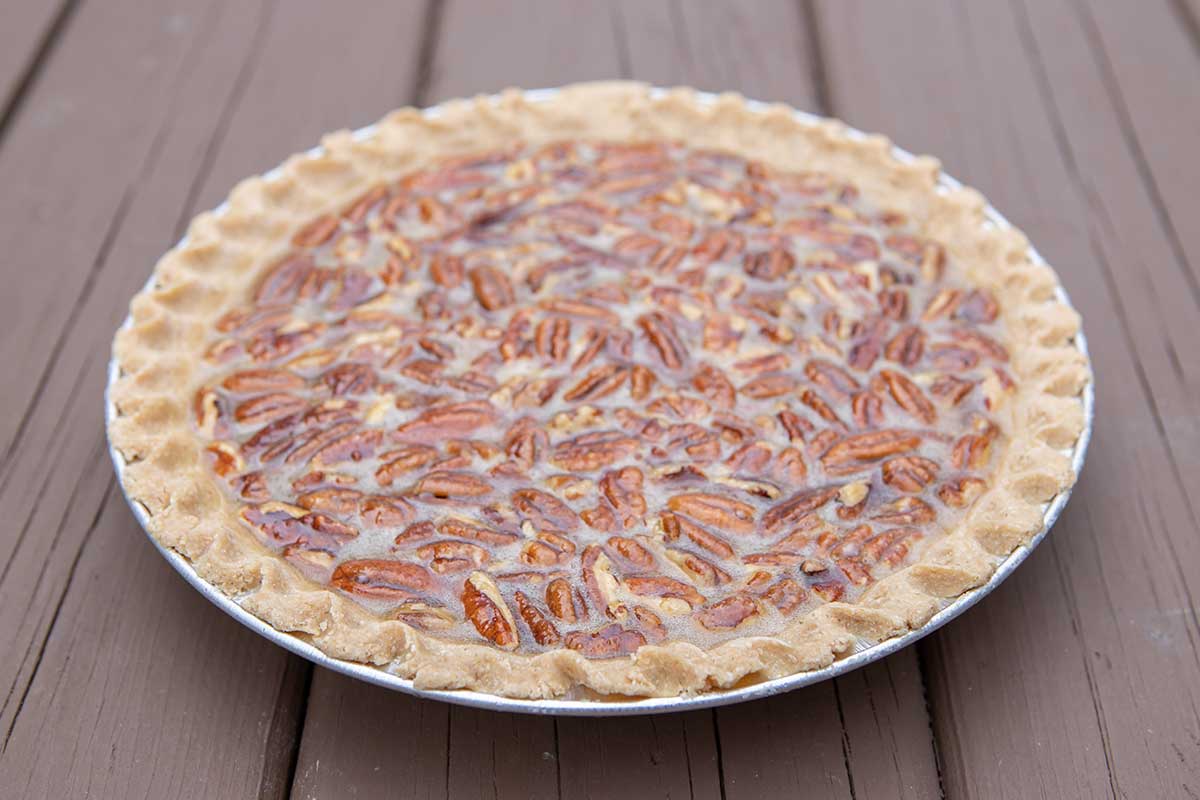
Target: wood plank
(651,44)
(863,735)
(1008,685)
(1150,57)
(354,747)
(1062,675)
(1149,253)
(887,738)
(484,753)
(59,472)
(485,47)
(767,51)
(762,49)
(515,755)
(70,155)
(31,29)
(53,484)
(670,755)
(502,755)
(303,88)
(1140,64)
(772,747)
(641,757)
(126,705)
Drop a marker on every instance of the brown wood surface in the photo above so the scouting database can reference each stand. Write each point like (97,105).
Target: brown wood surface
(29,33)
(119,119)
(1082,669)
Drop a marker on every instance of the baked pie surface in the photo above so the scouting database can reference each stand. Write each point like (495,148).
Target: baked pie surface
(614,390)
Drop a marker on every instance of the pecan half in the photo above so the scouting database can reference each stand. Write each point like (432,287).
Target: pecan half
(909,473)
(850,453)
(717,510)
(544,510)
(961,492)
(623,490)
(560,599)
(446,270)
(729,613)
(453,484)
(593,451)
(485,608)
(662,334)
(674,526)
(658,586)
(543,630)
(770,265)
(909,396)
(610,641)
(906,347)
(714,385)
(796,507)
(467,530)
(268,408)
(387,580)
(786,595)
(905,511)
(599,383)
(455,419)
(399,463)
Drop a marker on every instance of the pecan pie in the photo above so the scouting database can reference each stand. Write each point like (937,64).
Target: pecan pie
(616,391)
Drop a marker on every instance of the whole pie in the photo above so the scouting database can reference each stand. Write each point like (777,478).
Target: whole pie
(608,392)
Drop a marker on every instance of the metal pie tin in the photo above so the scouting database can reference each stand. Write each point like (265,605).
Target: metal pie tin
(864,652)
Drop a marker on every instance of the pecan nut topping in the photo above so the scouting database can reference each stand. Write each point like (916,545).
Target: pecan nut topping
(596,395)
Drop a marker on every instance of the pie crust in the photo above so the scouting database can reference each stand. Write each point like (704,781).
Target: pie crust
(169,466)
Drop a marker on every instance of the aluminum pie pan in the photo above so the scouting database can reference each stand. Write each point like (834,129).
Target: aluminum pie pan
(864,652)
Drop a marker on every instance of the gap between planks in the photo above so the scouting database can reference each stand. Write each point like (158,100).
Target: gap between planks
(15,85)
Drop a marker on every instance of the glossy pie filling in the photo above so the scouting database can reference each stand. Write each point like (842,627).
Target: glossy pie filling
(596,395)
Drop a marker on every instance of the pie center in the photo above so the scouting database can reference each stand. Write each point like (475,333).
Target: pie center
(596,395)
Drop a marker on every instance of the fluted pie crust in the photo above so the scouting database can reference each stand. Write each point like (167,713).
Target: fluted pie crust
(226,254)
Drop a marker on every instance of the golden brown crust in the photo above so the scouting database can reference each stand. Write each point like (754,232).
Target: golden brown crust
(223,256)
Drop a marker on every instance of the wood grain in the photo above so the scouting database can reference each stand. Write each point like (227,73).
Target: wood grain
(1150,243)
(1057,672)
(662,49)
(320,70)
(864,735)
(837,732)
(887,739)
(764,50)
(30,32)
(185,93)
(371,744)
(657,756)
(55,476)
(773,745)
(485,47)
(128,701)
(502,755)
(1149,57)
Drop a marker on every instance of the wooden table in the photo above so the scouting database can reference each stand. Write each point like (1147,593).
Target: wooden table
(120,119)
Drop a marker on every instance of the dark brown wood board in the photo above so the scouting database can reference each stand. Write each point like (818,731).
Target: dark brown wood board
(588,752)
(27,37)
(57,483)
(349,734)
(120,119)
(54,478)
(1061,670)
